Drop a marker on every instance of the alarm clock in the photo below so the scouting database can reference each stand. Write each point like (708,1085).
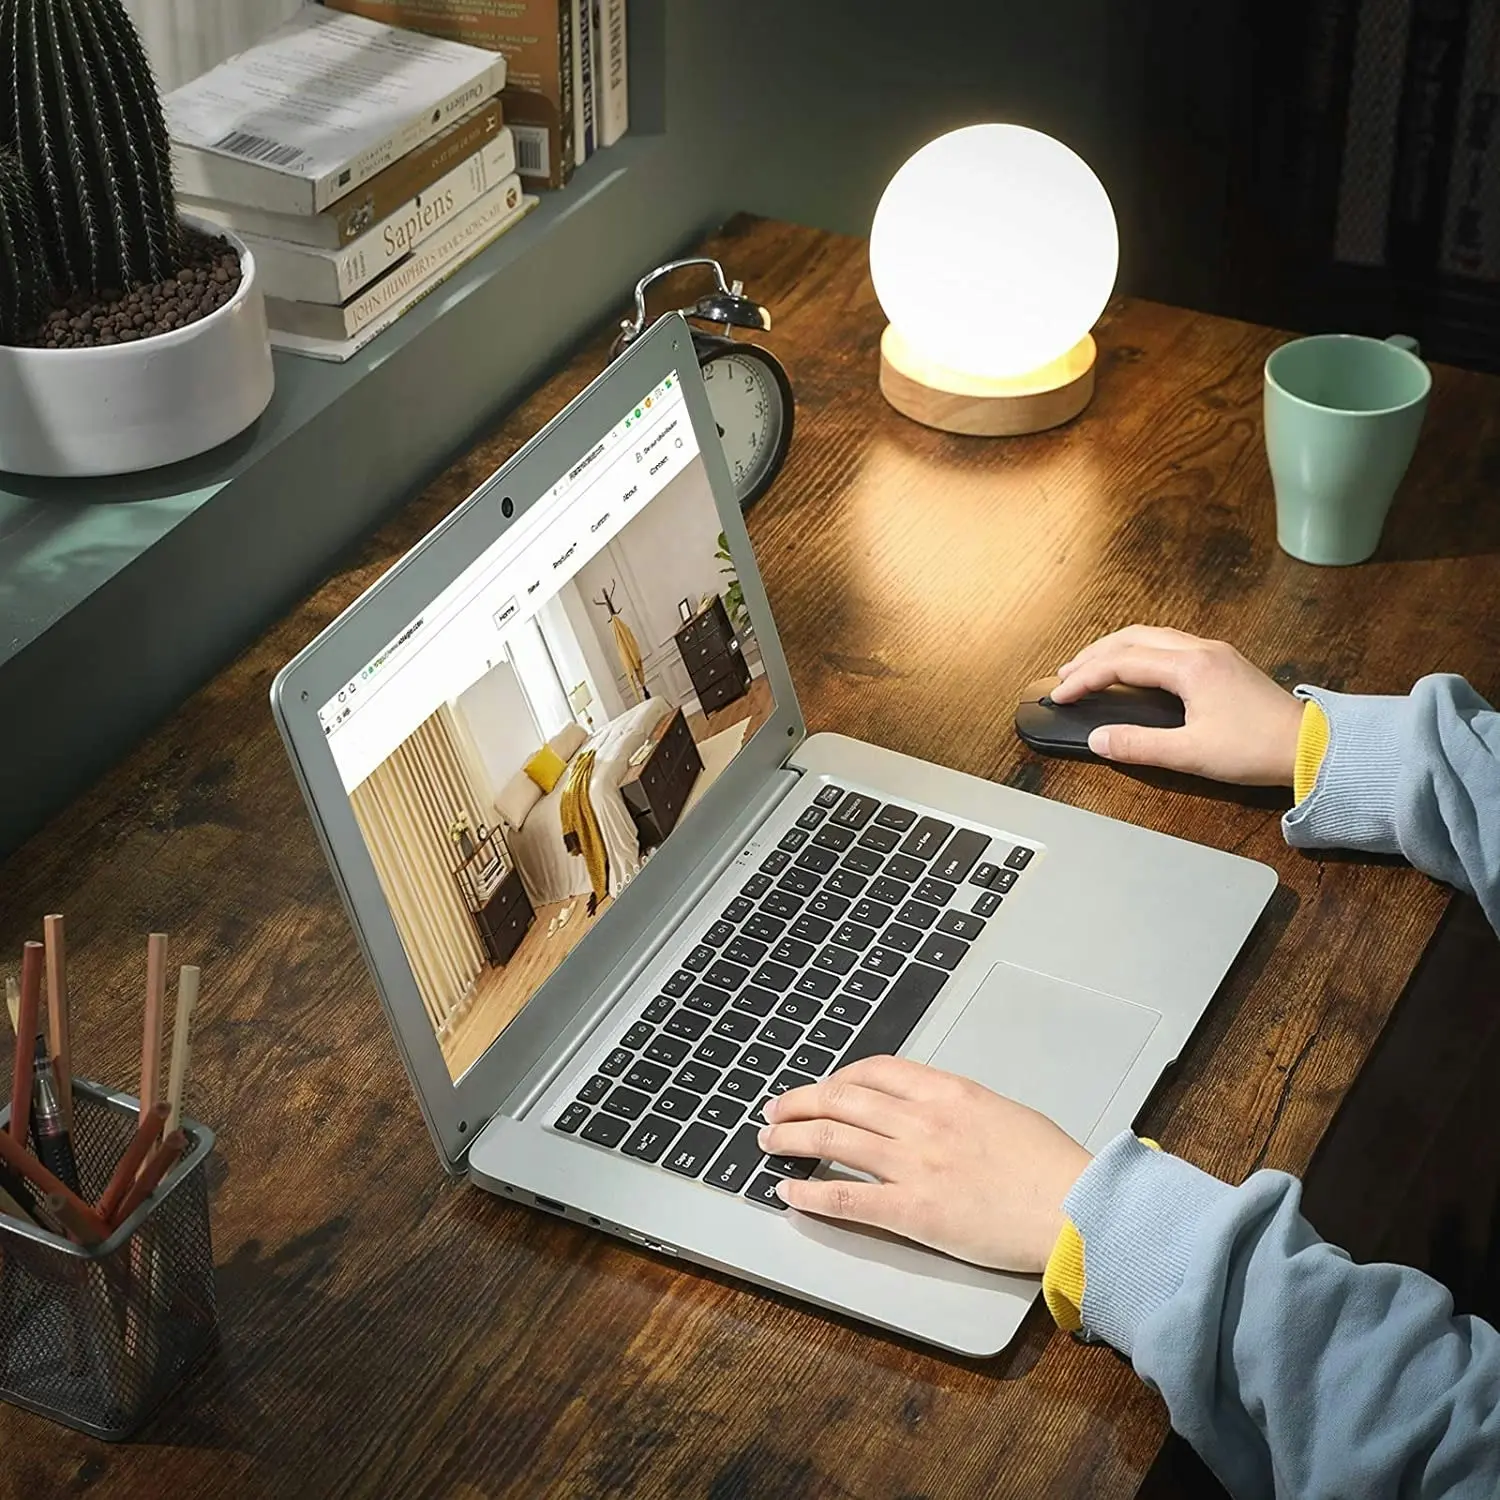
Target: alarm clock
(748,388)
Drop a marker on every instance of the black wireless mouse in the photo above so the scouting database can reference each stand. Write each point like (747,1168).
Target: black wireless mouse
(1064,728)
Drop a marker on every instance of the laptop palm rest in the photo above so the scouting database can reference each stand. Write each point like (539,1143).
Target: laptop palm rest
(1058,1047)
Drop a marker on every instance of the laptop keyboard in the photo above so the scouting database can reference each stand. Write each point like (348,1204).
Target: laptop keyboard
(833,951)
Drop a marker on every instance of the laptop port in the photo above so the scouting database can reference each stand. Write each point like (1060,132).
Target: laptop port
(542,1202)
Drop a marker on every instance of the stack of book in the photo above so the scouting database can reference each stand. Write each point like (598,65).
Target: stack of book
(362,165)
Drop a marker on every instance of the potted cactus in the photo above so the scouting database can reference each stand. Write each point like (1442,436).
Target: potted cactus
(128,338)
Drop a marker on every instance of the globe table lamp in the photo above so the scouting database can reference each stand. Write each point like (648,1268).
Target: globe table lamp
(993,252)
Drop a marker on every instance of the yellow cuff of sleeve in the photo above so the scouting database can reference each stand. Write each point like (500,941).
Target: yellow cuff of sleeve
(1312,746)
(1062,1281)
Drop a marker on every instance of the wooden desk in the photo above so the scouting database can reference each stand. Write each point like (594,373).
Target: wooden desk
(386,1332)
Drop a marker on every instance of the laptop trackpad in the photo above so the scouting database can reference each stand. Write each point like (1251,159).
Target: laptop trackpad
(1058,1047)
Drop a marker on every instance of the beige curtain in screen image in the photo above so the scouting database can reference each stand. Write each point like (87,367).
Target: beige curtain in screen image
(405,808)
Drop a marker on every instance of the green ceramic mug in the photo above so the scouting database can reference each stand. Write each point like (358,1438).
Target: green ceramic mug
(1342,417)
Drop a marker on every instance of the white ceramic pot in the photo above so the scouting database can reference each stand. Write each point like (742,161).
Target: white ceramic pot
(126,407)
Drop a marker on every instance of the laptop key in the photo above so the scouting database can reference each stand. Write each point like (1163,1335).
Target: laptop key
(693,1148)
(831,1034)
(900,937)
(894,816)
(817,984)
(685,1024)
(959,854)
(719,933)
(745,950)
(935,892)
(792,951)
(761,1059)
(781,904)
(896,1016)
(828,904)
(649,1076)
(798,1008)
(1019,857)
(756,1001)
(739,1083)
(854,935)
(987,903)
(763,1190)
(1003,880)
(758,1114)
(776,861)
(810,817)
(863,861)
(983,873)
(667,1049)
(883,840)
(884,960)
(799,882)
(792,840)
(846,883)
(736,1025)
(679,984)
(572,1117)
(738,909)
(833,837)
(870,913)
(960,924)
(698,1077)
(763,928)
(917,914)
(846,1008)
(756,886)
(650,1138)
(792,1166)
(888,893)
(726,976)
(773,976)
(679,1104)
(630,1104)
(617,1062)
(942,950)
(864,985)
(707,999)
(814,858)
(836,960)
(637,1037)
(811,929)
(812,1059)
(595,1089)
(732,1167)
(699,959)
(829,796)
(927,836)
(855,810)
(789,1079)
(718,1050)
(658,1009)
(904,867)
(781,1032)
(725,1113)
(606,1130)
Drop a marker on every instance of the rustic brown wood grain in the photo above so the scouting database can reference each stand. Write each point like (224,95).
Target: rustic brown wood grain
(388,1333)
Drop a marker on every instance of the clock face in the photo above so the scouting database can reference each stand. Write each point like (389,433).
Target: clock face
(750,413)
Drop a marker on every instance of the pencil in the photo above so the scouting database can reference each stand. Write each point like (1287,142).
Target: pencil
(146,1136)
(187,1001)
(82,1227)
(156,990)
(26,1165)
(13,1000)
(58,1032)
(26,1023)
(158,1164)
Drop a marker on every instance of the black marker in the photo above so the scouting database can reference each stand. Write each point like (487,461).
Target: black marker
(54,1146)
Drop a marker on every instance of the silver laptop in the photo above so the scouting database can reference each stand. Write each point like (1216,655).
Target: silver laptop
(614,896)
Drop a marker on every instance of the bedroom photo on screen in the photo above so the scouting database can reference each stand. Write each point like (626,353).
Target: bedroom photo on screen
(515,758)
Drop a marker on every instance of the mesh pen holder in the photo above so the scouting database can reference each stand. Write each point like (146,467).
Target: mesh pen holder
(95,1338)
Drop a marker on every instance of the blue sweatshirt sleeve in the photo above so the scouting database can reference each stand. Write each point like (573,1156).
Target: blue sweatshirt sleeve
(1418,776)
(1290,1369)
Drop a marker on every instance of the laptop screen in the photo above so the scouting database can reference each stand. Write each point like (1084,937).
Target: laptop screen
(519,750)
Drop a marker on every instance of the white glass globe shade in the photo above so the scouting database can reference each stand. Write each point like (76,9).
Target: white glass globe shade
(994,250)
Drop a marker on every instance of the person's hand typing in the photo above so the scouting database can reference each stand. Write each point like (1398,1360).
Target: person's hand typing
(960,1168)
(1240,726)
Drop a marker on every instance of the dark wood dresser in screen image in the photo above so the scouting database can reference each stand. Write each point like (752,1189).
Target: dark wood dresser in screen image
(711,653)
(657,789)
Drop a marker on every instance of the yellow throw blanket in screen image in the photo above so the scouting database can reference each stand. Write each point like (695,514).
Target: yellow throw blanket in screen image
(580,827)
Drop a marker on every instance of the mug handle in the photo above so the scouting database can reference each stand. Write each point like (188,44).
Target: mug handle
(1407,342)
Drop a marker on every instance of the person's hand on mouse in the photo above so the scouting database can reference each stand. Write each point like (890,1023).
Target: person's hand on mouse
(1240,726)
(960,1168)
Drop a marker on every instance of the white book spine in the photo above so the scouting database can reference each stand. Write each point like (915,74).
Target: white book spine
(583,82)
(338,350)
(303,273)
(425,261)
(612,87)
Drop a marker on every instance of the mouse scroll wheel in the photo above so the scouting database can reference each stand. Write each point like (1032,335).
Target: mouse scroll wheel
(1046,701)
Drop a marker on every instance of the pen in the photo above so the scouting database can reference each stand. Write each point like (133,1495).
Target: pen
(54,1145)
(24,1164)
(156,986)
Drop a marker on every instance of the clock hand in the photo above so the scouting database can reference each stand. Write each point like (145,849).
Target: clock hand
(721,430)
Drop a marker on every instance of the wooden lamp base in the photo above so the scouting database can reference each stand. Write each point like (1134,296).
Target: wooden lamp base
(980,405)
